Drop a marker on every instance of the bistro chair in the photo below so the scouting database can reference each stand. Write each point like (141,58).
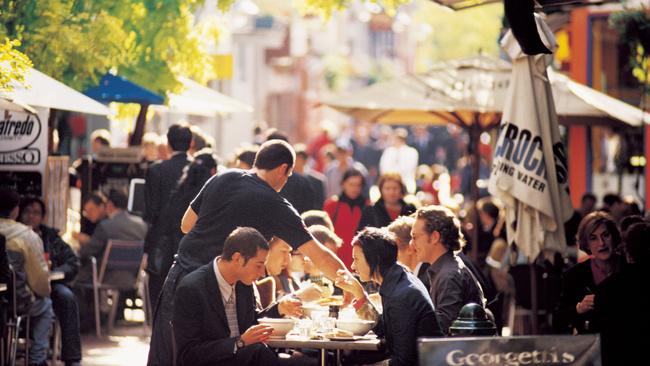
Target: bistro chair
(118,271)
(16,323)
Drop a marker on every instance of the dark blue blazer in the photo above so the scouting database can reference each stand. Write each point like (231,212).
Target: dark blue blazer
(200,325)
(408,315)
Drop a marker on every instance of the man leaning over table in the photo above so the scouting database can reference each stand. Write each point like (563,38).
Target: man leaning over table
(215,316)
(229,200)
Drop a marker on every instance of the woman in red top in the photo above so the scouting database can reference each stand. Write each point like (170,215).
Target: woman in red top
(345,211)
(389,206)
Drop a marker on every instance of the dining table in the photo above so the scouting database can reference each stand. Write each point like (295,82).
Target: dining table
(323,345)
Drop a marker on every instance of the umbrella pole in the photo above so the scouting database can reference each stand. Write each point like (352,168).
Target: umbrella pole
(474,140)
(533,298)
(138,132)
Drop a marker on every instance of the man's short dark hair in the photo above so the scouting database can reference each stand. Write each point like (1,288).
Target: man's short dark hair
(118,198)
(245,241)
(275,134)
(317,217)
(29,200)
(588,196)
(379,248)
(97,197)
(247,155)
(486,205)
(9,199)
(443,221)
(274,153)
(611,198)
(179,137)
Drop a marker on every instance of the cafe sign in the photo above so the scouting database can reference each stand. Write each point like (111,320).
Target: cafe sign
(554,350)
(20,139)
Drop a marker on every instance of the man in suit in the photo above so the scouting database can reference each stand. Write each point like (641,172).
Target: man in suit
(119,225)
(160,180)
(215,317)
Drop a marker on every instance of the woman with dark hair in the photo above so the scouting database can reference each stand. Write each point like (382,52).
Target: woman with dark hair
(194,177)
(62,259)
(390,205)
(345,211)
(408,312)
(598,235)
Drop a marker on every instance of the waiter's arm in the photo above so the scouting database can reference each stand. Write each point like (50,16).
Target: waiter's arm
(326,261)
(189,219)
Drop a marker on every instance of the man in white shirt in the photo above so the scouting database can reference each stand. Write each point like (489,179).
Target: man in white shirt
(401,158)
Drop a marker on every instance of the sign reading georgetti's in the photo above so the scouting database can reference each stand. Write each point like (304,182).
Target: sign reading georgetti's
(583,350)
(19,133)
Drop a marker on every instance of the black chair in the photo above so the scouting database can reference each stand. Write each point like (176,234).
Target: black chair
(16,323)
(123,260)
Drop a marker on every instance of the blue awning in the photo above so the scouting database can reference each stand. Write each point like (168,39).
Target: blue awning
(113,88)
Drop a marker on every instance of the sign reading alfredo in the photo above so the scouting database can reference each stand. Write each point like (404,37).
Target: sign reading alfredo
(23,149)
(529,167)
(19,132)
(556,350)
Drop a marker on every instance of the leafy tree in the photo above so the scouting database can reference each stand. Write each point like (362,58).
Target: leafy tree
(150,42)
(456,34)
(13,64)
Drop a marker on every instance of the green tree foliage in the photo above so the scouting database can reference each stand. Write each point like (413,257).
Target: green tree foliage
(13,64)
(456,34)
(150,42)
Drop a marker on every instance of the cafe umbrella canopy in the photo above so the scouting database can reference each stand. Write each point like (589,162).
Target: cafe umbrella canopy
(466,92)
(471,93)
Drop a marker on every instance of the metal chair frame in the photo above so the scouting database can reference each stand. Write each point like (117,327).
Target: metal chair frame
(14,325)
(111,291)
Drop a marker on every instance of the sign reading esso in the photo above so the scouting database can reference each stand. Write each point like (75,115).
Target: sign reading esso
(19,133)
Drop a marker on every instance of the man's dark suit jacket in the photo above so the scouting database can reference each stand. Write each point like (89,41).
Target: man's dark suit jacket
(161,178)
(200,325)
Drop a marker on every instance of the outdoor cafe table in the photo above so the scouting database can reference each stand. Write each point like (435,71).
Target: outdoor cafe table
(323,345)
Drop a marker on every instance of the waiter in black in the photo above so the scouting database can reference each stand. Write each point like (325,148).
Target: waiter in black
(236,198)
(161,179)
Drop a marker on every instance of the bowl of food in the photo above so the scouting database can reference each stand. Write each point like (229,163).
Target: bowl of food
(281,326)
(358,327)
(311,310)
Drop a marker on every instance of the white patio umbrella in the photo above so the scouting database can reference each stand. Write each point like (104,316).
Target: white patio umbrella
(40,90)
(529,160)
(15,105)
(200,100)
(529,167)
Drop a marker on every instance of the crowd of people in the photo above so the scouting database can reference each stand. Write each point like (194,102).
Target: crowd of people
(278,225)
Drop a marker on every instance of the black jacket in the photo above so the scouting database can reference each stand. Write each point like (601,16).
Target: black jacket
(62,256)
(200,325)
(577,282)
(377,216)
(160,180)
(299,191)
(407,315)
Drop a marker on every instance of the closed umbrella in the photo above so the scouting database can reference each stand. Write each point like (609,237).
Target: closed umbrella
(529,165)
